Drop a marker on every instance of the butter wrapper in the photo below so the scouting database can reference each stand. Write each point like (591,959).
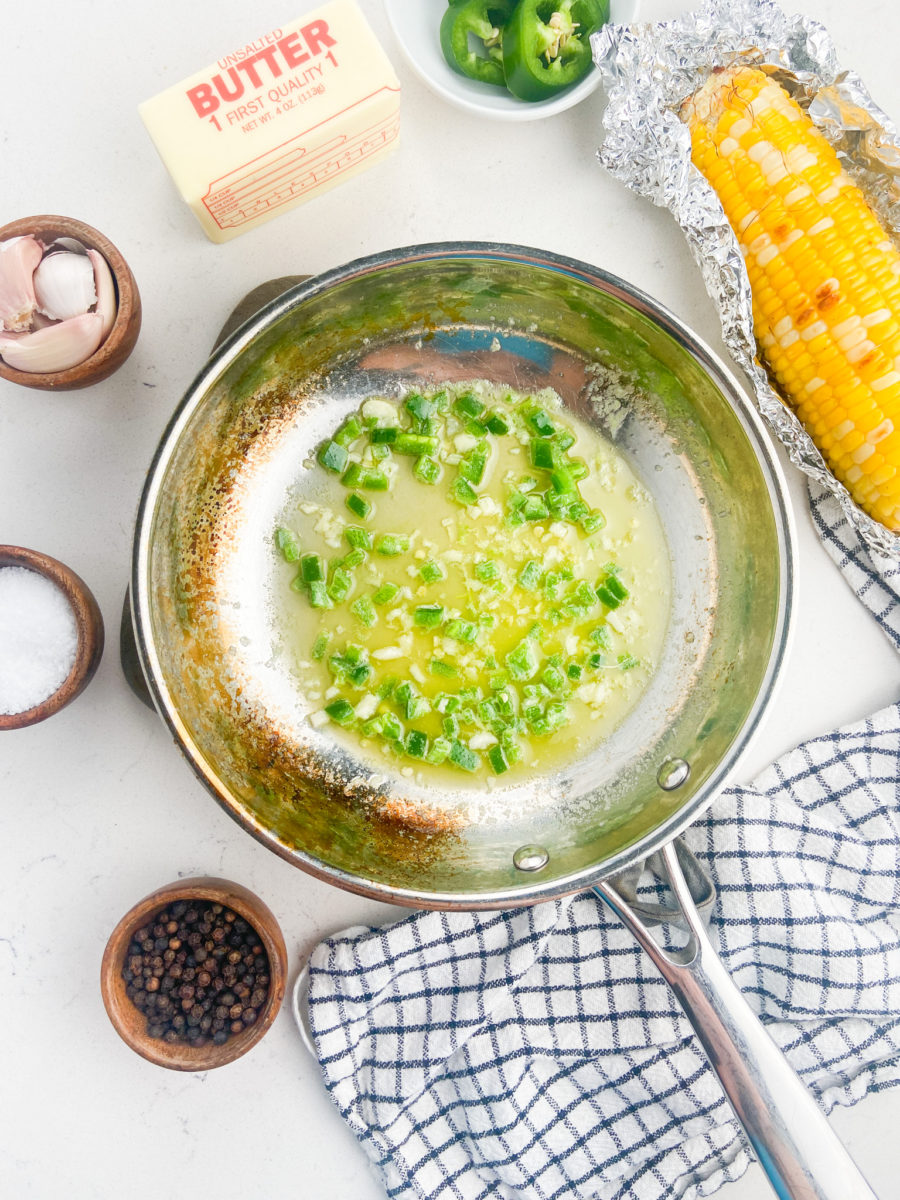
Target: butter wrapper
(278,120)
(648,70)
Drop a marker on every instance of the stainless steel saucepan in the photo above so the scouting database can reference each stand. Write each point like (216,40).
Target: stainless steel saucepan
(209,637)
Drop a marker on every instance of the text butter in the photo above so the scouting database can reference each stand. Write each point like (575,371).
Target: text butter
(279,120)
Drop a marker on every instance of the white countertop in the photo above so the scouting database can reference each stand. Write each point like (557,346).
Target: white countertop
(97,807)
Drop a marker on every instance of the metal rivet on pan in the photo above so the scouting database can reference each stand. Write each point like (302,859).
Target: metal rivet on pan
(673,773)
(531,858)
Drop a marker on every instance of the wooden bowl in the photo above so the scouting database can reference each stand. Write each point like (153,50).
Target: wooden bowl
(131,1024)
(113,351)
(88,627)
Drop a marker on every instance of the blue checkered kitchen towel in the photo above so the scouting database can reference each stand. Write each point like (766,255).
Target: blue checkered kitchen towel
(537,1055)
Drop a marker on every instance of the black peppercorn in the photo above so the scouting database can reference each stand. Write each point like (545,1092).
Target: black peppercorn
(198,972)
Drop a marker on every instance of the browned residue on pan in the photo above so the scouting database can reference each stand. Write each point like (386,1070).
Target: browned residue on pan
(275,781)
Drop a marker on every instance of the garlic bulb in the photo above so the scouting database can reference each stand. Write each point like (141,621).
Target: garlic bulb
(57,303)
(54,348)
(64,285)
(19,258)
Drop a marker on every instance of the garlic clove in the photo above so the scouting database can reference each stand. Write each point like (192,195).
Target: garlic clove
(19,258)
(64,285)
(107,302)
(55,348)
(67,243)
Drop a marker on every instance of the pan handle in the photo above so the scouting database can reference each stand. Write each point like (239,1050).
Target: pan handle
(795,1145)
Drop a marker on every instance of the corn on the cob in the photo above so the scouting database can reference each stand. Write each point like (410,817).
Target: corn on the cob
(824,274)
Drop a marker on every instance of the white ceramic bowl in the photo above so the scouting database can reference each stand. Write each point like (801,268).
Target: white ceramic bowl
(416,25)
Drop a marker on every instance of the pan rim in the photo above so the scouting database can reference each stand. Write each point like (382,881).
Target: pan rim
(720,375)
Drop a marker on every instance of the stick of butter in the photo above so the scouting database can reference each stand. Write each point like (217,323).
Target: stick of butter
(279,120)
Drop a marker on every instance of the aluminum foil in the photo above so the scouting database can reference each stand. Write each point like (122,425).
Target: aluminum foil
(647,70)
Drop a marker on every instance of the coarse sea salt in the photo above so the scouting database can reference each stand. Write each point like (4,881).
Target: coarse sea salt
(38,639)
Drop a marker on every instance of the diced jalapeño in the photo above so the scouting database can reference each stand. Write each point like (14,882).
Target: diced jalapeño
(334,457)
